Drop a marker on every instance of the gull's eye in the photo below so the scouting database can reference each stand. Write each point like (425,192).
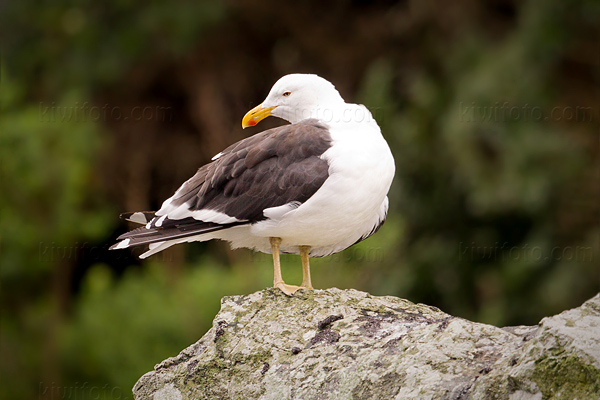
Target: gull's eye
(286,94)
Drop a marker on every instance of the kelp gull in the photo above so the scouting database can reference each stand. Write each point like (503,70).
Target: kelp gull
(314,187)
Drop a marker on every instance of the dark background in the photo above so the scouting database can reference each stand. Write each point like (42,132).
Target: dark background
(491,110)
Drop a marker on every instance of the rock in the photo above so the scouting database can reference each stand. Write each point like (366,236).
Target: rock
(346,344)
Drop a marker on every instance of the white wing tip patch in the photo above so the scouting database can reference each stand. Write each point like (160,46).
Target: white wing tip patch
(123,245)
(160,221)
(138,218)
(216,156)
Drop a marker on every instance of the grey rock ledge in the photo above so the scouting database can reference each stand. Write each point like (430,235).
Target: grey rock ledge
(346,344)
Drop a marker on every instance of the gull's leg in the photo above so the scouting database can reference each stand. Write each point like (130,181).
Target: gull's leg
(277,279)
(304,250)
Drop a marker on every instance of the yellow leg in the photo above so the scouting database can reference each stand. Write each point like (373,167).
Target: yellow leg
(304,250)
(277,278)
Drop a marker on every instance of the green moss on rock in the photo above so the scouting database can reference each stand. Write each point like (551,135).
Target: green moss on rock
(566,377)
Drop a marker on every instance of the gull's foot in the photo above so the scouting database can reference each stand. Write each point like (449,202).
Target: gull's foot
(287,289)
(306,286)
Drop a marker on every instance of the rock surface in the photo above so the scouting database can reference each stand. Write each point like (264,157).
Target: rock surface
(346,344)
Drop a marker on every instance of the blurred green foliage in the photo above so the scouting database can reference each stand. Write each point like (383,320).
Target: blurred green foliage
(494,211)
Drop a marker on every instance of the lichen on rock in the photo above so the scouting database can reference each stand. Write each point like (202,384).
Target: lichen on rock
(346,344)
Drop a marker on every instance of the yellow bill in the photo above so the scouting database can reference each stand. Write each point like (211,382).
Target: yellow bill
(256,115)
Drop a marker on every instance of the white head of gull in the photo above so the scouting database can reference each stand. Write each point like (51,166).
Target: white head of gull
(297,97)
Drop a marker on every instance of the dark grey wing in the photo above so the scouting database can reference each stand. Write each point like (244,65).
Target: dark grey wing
(276,167)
